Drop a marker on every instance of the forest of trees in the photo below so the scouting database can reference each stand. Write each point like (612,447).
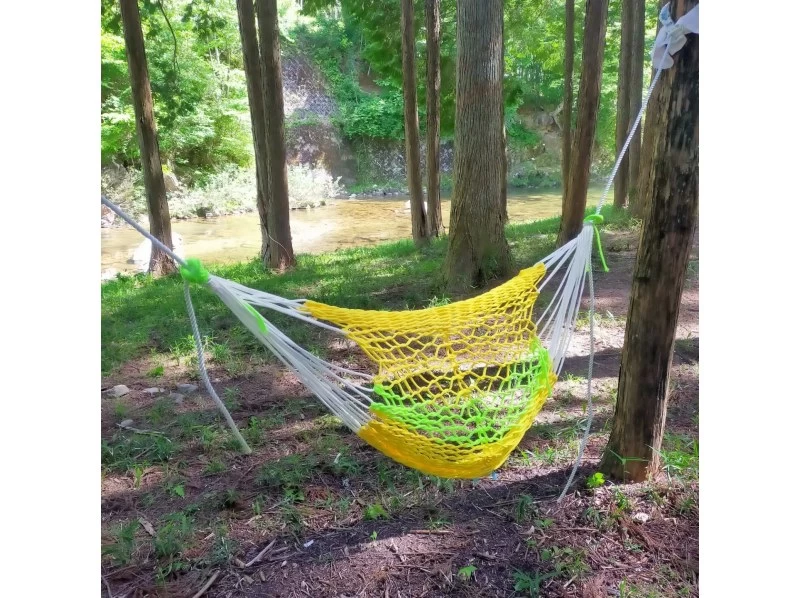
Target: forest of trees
(197,72)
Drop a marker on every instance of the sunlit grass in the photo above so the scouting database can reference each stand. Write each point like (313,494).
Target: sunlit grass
(141,314)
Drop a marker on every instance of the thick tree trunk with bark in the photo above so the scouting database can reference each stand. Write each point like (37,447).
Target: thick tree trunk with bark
(671,198)
(411,118)
(433,29)
(637,85)
(477,248)
(281,253)
(623,101)
(566,114)
(157,208)
(258,117)
(574,203)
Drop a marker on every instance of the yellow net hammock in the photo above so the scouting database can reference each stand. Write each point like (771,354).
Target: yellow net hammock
(456,387)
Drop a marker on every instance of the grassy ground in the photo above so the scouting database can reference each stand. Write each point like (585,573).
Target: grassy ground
(315,512)
(142,315)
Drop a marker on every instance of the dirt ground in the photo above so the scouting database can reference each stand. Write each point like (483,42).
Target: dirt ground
(316,512)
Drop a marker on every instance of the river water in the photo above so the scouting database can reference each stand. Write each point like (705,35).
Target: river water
(342,223)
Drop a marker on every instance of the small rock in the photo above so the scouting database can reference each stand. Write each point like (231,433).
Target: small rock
(177,397)
(153,390)
(108,274)
(187,389)
(120,390)
(641,517)
(126,423)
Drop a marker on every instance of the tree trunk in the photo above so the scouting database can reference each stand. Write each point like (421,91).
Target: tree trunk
(433,27)
(157,208)
(569,65)
(636,85)
(671,198)
(574,204)
(281,253)
(647,148)
(411,119)
(258,117)
(623,101)
(477,248)
(504,153)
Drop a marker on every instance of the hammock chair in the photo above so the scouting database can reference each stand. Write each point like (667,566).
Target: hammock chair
(457,386)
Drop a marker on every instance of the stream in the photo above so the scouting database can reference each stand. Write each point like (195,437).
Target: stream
(340,224)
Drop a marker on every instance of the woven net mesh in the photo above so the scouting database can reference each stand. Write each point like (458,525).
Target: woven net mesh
(457,385)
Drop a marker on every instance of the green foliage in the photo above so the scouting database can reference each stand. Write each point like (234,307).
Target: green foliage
(375,511)
(465,573)
(595,480)
(173,536)
(531,583)
(120,550)
(199,91)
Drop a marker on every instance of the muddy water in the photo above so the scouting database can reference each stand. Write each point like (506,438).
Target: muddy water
(344,223)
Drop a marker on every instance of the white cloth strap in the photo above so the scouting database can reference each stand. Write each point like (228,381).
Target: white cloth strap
(672,36)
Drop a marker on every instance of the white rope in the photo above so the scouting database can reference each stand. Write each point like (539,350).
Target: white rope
(201,365)
(118,211)
(589,403)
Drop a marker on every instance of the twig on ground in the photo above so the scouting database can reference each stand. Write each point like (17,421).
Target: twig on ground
(207,585)
(260,555)
(108,587)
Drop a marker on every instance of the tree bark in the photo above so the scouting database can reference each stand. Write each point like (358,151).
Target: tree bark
(281,253)
(566,114)
(433,29)
(574,203)
(477,248)
(636,85)
(411,118)
(647,148)
(623,101)
(258,117)
(671,204)
(157,207)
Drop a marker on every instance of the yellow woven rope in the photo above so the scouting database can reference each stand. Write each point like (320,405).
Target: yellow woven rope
(458,385)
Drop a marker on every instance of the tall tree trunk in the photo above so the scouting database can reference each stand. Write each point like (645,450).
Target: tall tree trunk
(281,253)
(411,118)
(647,147)
(574,204)
(671,198)
(258,117)
(157,208)
(566,114)
(477,248)
(637,85)
(504,154)
(433,29)
(623,101)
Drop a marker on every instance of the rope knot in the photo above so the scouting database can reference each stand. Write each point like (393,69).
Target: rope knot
(595,220)
(194,272)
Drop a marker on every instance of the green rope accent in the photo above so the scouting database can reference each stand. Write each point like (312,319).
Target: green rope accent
(262,325)
(484,418)
(595,220)
(194,272)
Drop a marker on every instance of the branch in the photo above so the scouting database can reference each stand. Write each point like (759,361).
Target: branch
(174,38)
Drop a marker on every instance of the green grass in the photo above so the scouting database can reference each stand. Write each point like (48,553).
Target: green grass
(143,316)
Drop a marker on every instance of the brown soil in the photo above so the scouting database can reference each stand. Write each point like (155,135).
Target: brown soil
(341,520)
